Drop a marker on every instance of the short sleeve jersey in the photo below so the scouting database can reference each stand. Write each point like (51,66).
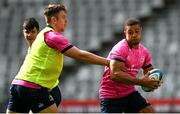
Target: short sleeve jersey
(57,40)
(134,59)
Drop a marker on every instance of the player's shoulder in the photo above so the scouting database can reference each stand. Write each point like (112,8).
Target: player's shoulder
(122,43)
(120,47)
(53,34)
(144,49)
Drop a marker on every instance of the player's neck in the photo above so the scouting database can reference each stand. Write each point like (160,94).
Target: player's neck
(133,45)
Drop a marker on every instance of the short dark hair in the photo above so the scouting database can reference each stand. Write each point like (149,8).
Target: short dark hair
(53,10)
(132,21)
(30,23)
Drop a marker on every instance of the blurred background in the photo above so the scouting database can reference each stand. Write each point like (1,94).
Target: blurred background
(96,25)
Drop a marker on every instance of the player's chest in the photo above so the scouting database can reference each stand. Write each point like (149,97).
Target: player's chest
(135,59)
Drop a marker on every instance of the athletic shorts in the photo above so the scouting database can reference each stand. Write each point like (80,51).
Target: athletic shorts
(56,94)
(132,103)
(23,99)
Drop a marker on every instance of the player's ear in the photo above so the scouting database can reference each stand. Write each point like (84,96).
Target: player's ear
(124,30)
(53,19)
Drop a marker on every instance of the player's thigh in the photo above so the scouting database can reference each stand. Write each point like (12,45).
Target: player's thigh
(50,109)
(147,109)
(43,100)
(17,100)
(137,103)
(9,111)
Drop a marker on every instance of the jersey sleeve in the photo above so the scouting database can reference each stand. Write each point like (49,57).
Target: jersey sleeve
(148,60)
(119,53)
(57,41)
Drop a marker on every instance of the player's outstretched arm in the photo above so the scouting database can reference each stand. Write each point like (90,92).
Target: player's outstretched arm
(86,56)
(117,75)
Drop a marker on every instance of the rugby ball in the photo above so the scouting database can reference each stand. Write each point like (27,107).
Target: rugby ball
(157,74)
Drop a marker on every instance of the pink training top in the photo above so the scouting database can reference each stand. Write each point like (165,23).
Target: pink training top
(55,40)
(134,59)
(26,84)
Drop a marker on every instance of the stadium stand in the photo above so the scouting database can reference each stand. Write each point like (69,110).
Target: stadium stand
(93,26)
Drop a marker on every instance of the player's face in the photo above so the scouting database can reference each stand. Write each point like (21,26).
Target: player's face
(62,21)
(30,35)
(133,34)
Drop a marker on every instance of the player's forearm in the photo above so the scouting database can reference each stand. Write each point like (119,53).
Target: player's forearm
(86,56)
(93,59)
(123,77)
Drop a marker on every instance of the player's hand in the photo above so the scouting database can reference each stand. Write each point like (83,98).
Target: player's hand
(150,82)
(147,74)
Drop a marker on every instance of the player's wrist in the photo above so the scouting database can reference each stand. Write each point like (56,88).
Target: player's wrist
(107,62)
(138,81)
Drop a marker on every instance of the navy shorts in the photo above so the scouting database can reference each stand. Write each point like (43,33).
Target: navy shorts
(56,94)
(23,99)
(132,103)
